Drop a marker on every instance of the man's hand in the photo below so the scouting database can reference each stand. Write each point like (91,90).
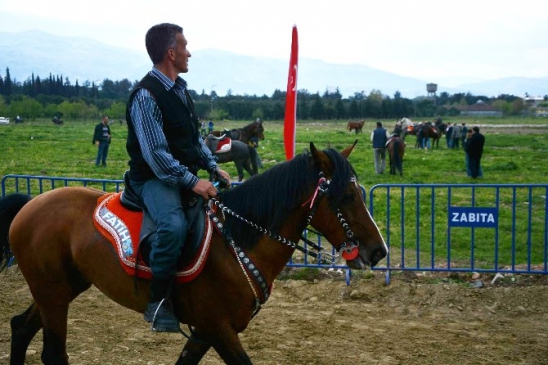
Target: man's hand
(224,174)
(222,177)
(205,189)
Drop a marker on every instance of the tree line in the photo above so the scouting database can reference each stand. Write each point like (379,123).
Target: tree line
(55,95)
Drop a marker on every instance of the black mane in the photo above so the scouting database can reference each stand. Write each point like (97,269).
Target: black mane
(266,199)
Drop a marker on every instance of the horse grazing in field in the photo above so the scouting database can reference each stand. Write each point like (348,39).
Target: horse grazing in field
(61,254)
(243,155)
(396,150)
(356,126)
(248,134)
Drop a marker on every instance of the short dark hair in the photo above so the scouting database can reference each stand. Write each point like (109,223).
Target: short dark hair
(159,39)
(379,124)
(476,129)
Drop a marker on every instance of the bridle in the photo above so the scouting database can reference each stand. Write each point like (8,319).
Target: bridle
(348,249)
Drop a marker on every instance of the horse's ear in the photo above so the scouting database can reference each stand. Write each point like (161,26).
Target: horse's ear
(346,152)
(320,159)
(313,150)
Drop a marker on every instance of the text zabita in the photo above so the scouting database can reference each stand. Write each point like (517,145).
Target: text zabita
(471,217)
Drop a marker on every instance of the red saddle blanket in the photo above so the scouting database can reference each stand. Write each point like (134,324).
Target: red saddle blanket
(121,227)
(225,145)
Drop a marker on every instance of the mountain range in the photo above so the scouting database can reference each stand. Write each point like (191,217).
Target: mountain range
(84,59)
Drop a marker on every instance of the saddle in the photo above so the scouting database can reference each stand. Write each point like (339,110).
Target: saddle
(120,218)
(220,144)
(392,137)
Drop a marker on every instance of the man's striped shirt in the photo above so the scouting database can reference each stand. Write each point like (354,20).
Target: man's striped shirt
(147,122)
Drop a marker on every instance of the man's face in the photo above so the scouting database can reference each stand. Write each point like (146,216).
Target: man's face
(181,54)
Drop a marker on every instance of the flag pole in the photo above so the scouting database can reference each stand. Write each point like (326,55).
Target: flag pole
(290,119)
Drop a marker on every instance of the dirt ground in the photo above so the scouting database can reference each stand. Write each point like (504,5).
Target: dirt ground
(417,319)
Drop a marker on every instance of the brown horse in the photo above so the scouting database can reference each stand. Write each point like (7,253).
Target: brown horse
(430,131)
(249,134)
(60,253)
(396,150)
(356,126)
(423,131)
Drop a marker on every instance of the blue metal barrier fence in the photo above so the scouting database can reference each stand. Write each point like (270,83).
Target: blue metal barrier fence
(428,227)
(465,227)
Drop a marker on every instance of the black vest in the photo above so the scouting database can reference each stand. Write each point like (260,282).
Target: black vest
(379,138)
(180,126)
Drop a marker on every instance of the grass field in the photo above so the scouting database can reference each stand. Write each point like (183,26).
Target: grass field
(514,153)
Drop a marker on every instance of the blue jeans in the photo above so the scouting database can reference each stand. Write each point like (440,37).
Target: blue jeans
(379,156)
(468,171)
(163,204)
(102,153)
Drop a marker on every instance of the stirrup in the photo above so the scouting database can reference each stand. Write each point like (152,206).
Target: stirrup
(162,319)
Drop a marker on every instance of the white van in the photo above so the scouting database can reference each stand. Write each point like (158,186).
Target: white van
(4,120)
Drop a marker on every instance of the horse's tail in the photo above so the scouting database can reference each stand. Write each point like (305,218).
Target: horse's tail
(253,156)
(10,205)
(398,163)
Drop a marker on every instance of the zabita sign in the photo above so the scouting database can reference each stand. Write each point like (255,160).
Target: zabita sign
(473,217)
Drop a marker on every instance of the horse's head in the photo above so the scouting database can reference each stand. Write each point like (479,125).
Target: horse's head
(258,129)
(342,216)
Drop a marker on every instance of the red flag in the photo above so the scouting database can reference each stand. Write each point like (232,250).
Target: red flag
(290,119)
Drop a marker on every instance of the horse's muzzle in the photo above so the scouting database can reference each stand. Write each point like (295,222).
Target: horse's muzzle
(361,262)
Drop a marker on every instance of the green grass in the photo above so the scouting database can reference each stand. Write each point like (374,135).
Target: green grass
(512,156)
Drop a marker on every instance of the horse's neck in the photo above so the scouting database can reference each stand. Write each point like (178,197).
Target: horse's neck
(246,133)
(272,255)
(233,134)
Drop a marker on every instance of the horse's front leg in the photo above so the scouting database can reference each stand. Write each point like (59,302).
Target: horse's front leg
(230,349)
(193,351)
(226,343)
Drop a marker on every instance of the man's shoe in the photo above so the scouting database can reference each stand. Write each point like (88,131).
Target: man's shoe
(161,316)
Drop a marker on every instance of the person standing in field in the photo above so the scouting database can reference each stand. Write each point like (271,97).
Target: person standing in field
(456,135)
(166,152)
(449,136)
(463,132)
(101,138)
(465,146)
(474,149)
(379,137)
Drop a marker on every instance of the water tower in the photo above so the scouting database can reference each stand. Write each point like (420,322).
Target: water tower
(431,89)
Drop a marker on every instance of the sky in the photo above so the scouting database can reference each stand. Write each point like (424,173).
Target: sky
(438,41)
